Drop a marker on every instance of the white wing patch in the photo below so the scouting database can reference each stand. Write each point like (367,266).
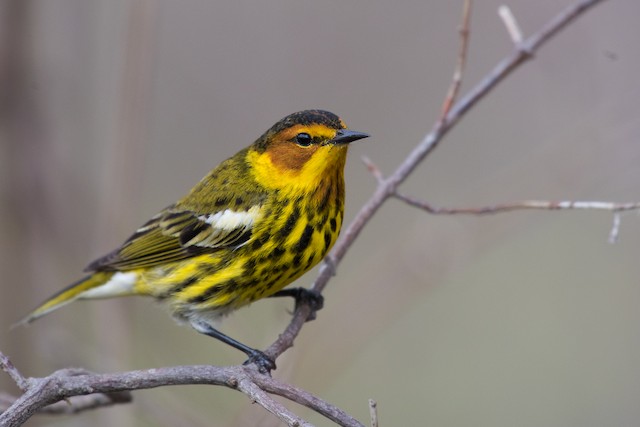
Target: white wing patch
(229,220)
(118,285)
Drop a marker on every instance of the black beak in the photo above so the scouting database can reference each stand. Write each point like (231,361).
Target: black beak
(345,136)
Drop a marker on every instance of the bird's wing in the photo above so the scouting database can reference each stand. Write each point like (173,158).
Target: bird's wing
(176,234)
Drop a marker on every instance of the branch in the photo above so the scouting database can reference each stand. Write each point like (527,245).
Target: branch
(307,399)
(522,205)
(12,371)
(66,383)
(511,24)
(615,208)
(73,404)
(373,412)
(387,187)
(456,81)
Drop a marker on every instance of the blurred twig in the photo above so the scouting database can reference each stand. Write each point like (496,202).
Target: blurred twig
(373,412)
(511,24)
(7,366)
(456,81)
(550,205)
(74,404)
(525,204)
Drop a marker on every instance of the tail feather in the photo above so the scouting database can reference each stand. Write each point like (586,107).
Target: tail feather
(67,295)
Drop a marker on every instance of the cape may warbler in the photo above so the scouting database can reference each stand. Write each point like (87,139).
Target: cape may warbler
(249,228)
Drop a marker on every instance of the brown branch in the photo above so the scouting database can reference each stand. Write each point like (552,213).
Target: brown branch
(307,399)
(388,187)
(12,371)
(373,168)
(73,404)
(258,395)
(65,384)
(615,208)
(456,81)
(522,205)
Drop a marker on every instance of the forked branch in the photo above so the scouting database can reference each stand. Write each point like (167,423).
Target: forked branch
(388,186)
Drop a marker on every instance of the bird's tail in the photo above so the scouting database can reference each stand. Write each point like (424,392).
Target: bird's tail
(77,290)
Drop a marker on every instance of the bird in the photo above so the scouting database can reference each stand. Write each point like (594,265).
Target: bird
(250,227)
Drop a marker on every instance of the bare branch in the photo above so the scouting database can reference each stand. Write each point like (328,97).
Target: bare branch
(12,371)
(456,81)
(615,228)
(522,205)
(74,404)
(390,184)
(373,412)
(511,24)
(66,383)
(615,208)
(307,399)
(373,168)
(258,395)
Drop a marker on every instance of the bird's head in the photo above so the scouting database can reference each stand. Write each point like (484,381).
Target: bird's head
(302,149)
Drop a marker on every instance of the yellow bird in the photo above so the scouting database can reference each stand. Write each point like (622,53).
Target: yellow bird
(249,228)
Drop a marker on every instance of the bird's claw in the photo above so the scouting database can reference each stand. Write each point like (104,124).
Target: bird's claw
(264,363)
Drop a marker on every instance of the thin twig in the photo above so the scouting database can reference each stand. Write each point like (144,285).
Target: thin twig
(74,404)
(7,366)
(511,24)
(307,399)
(456,80)
(615,228)
(550,205)
(521,205)
(258,395)
(373,169)
(373,412)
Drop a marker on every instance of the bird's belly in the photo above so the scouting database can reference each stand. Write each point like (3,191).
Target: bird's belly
(229,279)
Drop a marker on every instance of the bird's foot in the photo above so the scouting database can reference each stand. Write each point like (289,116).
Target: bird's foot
(264,363)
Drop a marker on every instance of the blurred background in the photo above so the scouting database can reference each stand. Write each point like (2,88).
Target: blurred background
(110,110)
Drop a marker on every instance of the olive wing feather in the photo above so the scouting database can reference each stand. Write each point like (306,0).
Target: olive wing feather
(176,234)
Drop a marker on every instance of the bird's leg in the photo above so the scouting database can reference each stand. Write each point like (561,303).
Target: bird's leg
(264,363)
(313,299)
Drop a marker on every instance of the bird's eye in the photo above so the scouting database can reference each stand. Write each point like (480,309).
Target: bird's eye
(304,139)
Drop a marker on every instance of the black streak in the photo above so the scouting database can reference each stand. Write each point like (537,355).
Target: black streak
(305,239)
(179,287)
(327,240)
(291,222)
(210,292)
